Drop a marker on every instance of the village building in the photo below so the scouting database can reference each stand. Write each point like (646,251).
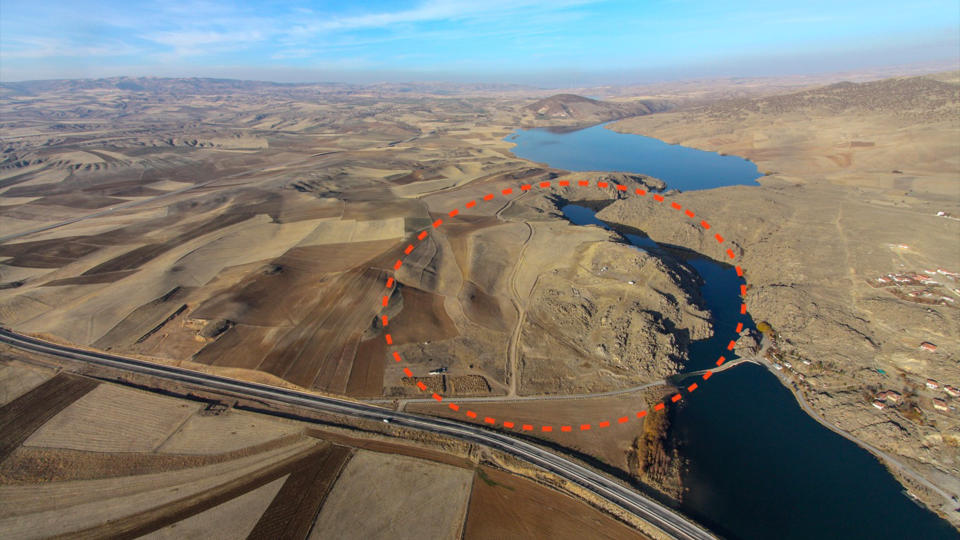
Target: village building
(940,404)
(951,390)
(893,396)
(932,384)
(927,346)
(880,405)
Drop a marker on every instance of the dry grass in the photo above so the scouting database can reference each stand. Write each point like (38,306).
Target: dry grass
(413,499)
(114,419)
(506,506)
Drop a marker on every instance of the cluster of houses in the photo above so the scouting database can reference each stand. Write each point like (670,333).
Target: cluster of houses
(780,364)
(891,397)
(881,400)
(926,279)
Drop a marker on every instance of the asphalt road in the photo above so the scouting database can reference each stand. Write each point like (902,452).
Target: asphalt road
(636,503)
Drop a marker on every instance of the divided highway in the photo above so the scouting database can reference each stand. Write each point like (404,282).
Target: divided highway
(636,503)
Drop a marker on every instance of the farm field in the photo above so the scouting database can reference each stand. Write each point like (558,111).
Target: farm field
(156,466)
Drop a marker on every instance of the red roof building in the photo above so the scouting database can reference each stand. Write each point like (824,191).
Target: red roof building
(927,346)
(940,404)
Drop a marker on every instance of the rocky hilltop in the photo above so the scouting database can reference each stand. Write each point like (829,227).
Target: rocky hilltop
(571,109)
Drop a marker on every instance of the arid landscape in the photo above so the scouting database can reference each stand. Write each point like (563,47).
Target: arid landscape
(309,237)
(93,460)
(862,181)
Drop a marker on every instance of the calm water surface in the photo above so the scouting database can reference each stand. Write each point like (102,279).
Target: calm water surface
(758,466)
(599,149)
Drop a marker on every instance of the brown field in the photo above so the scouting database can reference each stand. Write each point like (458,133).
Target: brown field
(225,432)
(293,510)
(22,417)
(17,378)
(31,465)
(412,499)
(114,419)
(235,518)
(506,506)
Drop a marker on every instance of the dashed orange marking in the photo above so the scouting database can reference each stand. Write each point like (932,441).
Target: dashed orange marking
(731,345)
(583,427)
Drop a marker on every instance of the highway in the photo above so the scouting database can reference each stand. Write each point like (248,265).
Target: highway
(651,511)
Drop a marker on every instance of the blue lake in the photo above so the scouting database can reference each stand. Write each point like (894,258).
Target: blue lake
(599,149)
(758,467)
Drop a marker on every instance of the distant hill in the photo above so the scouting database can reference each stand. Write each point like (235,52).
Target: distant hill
(567,108)
(207,86)
(922,98)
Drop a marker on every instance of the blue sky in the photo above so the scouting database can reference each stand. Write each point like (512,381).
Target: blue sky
(548,43)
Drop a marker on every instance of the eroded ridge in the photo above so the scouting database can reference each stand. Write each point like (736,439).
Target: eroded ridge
(684,213)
